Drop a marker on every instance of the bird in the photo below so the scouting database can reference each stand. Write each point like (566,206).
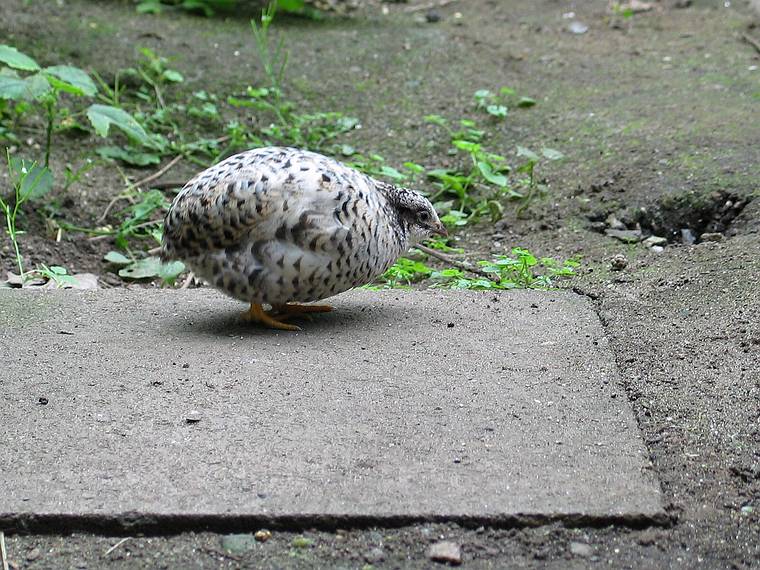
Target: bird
(282,226)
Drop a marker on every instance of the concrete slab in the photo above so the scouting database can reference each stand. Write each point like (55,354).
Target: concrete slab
(397,407)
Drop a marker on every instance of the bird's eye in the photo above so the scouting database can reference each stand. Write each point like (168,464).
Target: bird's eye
(423,216)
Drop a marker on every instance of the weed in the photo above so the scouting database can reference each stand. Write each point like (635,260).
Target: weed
(145,268)
(402,274)
(521,270)
(495,104)
(481,188)
(210,7)
(30,182)
(46,88)
(59,275)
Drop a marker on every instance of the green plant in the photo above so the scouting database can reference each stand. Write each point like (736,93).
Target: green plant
(495,104)
(521,270)
(206,7)
(481,188)
(273,58)
(46,88)
(402,274)
(30,182)
(134,269)
(210,7)
(59,275)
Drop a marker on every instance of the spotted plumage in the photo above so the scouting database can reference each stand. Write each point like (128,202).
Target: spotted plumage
(278,225)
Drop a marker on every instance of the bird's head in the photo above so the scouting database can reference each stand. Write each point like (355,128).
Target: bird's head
(417,212)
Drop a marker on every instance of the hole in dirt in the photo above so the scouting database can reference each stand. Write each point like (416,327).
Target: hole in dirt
(681,218)
(674,216)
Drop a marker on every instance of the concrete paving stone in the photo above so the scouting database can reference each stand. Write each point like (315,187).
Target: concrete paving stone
(146,408)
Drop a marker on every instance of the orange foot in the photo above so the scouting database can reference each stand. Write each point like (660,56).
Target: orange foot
(257,314)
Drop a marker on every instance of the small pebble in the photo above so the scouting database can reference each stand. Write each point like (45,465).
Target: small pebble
(193,417)
(688,237)
(618,262)
(33,554)
(432,17)
(43,401)
(655,240)
(445,552)
(262,535)
(577,28)
(711,236)
(580,549)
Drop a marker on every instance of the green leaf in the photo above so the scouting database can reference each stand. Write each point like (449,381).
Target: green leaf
(11,57)
(150,7)
(414,167)
(290,5)
(72,80)
(129,155)
(35,181)
(173,76)
(552,154)
(37,86)
(493,177)
(14,87)
(117,258)
(103,116)
(525,102)
(466,145)
(527,153)
(497,110)
(147,268)
(170,271)
(436,120)
(391,172)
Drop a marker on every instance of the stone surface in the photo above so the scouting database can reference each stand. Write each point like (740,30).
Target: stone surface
(580,549)
(626,236)
(652,241)
(711,236)
(446,552)
(357,419)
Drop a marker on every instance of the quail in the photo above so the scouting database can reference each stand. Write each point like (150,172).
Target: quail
(282,226)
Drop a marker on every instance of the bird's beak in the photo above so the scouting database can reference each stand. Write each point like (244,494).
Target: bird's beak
(440,229)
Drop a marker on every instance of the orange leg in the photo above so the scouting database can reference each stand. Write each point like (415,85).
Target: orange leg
(257,314)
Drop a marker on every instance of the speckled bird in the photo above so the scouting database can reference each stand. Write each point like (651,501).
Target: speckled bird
(282,226)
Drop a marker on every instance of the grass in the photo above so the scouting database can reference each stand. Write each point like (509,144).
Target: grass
(149,110)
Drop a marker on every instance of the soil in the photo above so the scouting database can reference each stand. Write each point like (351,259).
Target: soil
(657,118)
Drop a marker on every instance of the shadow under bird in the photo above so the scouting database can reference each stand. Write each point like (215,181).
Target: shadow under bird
(282,226)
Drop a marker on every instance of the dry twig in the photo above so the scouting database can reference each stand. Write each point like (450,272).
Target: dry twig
(188,280)
(117,545)
(463,265)
(3,552)
(158,174)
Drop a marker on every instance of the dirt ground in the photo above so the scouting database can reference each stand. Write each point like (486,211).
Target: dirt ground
(658,122)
